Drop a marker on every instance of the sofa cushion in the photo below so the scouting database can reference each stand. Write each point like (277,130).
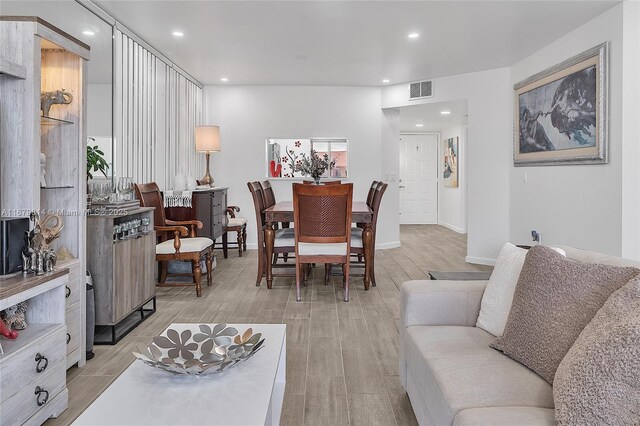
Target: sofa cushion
(554,300)
(598,381)
(505,416)
(453,368)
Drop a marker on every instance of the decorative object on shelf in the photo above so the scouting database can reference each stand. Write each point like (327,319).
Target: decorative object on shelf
(100,192)
(14,316)
(96,161)
(125,189)
(64,255)
(56,97)
(207,141)
(450,149)
(145,223)
(314,165)
(201,350)
(561,115)
(37,256)
(177,198)
(43,172)
(7,332)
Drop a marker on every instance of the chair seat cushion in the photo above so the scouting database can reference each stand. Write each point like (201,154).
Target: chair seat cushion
(187,245)
(237,221)
(285,238)
(452,368)
(505,416)
(356,237)
(322,249)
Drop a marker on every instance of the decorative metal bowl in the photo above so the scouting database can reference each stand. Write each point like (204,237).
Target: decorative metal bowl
(209,351)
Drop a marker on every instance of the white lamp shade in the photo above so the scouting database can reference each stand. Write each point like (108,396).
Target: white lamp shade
(207,138)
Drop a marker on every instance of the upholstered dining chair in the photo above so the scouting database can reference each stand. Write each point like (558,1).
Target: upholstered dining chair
(356,232)
(237,225)
(284,238)
(270,200)
(171,246)
(322,224)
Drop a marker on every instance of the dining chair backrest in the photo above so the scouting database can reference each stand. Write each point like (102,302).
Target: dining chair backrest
(269,196)
(326,182)
(150,196)
(322,213)
(375,204)
(372,191)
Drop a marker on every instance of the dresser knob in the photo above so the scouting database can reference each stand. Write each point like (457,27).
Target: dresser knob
(68,338)
(68,292)
(42,396)
(41,363)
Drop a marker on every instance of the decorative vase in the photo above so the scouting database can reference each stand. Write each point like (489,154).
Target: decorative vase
(317,180)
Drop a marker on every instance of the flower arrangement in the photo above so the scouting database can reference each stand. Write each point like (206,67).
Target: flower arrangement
(314,165)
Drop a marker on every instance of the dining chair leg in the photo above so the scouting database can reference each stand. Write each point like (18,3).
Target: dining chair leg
(244,239)
(261,266)
(285,256)
(209,262)
(298,296)
(197,274)
(239,241)
(346,281)
(327,273)
(225,244)
(305,272)
(360,258)
(275,258)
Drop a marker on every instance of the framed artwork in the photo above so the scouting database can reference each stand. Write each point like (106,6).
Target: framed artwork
(450,152)
(561,113)
(283,154)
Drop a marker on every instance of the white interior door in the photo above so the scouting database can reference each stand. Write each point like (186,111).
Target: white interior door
(419,179)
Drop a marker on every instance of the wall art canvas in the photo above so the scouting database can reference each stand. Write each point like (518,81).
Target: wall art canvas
(283,154)
(450,150)
(561,113)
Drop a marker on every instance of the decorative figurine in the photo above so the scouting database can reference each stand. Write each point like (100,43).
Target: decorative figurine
(7,332)
(56,97)
(37,256)
(14,316)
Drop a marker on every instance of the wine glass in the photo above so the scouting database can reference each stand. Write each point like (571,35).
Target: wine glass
(146,222)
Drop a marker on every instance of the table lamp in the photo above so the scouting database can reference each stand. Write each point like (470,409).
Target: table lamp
(207,141)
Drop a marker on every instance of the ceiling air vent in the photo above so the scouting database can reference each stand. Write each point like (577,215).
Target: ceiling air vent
(420,89)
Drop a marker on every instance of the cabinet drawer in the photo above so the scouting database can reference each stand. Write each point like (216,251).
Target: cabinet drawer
(32,362)
(73,328)
(33,396)
(72,292)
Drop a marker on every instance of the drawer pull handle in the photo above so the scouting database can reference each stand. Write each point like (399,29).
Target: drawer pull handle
(42,396)
(68,338)
(41,363)
(68,292)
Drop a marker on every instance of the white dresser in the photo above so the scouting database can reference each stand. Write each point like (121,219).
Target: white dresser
(33,367)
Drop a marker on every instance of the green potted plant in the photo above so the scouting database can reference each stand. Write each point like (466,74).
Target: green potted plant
(96,161)
(314,165)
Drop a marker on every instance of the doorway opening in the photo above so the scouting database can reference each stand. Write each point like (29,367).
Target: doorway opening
(432,179)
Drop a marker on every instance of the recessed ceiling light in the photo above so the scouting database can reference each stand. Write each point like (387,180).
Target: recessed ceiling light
(445,112)
(413,35)
(386,80)
(419,125)
(225,79)
(88,32)
(177,33)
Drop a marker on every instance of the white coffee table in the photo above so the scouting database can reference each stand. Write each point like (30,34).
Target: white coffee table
(250,394)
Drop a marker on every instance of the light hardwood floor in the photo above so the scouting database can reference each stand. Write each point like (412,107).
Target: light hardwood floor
(342,358)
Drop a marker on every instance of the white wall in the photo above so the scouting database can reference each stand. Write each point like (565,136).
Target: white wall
(99,110)
(579,206)
(489,152)
(247,115)
(451,201)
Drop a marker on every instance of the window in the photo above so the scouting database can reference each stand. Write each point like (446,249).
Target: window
(335,149)
(283,154)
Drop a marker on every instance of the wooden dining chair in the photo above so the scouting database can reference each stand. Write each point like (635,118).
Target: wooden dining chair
(324,182)
(357,247)
(170,245)
(284,238)
(239,226)
(270,200)
(322,224)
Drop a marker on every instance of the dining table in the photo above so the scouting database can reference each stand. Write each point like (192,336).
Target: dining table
(360,213)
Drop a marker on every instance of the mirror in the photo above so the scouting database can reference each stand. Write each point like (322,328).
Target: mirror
(79,22)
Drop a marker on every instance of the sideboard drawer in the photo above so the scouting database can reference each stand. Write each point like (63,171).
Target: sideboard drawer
(33,396)
(72,292)
(32,362)
(73,328)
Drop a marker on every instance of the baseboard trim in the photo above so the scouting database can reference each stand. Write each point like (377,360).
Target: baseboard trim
(453,228)
(480,260)
(381,246)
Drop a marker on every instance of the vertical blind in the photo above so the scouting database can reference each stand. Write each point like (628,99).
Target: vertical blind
(156,109)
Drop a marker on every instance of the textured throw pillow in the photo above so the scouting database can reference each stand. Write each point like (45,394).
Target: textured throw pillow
(598,381)
(555,299)
(498,295)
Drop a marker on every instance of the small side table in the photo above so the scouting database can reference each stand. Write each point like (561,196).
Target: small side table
(460,276)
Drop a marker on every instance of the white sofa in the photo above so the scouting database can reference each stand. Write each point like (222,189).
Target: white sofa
(449,371)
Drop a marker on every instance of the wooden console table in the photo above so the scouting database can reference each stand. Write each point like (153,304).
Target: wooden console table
(123,273)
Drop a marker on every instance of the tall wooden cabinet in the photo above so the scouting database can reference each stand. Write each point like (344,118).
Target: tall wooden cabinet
(37,57)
